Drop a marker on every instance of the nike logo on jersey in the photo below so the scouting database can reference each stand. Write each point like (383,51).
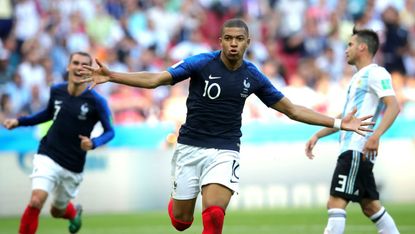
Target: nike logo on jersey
(214,77)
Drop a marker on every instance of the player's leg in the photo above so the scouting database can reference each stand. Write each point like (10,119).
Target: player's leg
(215,200)
(370,203)
(62,207)
(374,210)
(336,222)
(43,182)
(30,218)
(185,185)
(220,179)
(343,189)
(181,213)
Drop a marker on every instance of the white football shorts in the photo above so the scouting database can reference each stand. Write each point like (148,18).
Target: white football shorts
(54,179)
(194,167)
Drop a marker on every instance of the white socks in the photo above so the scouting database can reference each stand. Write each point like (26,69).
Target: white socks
(336,222)
(384,222)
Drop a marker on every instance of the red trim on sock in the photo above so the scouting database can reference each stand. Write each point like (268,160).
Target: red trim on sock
(178,224)
(70,212)
(170,208)
(29,220)
(213,218)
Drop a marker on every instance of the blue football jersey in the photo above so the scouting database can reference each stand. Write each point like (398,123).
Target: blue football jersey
(72,116)
(216,99)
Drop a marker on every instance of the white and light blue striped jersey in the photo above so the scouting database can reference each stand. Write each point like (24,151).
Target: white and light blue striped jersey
(365,91)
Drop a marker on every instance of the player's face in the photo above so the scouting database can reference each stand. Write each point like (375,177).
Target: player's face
(234,42)
(352,50)
(75,66)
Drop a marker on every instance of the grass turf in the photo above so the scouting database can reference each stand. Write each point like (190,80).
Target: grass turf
(285,221)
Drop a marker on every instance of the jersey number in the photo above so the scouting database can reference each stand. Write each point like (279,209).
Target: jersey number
(57,109)
(342,183)
(210,90)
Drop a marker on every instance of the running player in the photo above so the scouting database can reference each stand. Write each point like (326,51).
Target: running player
(206,158)
(60,159)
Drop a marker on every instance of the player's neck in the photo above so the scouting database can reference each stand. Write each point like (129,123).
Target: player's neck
(363,63)
(76,89)
(231,65)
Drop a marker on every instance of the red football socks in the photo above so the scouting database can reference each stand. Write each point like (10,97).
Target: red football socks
(29,220)
(70,212)
(178,224)
(213,220)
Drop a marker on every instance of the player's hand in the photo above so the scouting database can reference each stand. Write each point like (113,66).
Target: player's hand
(309,146)
(370,149)
(351,123)
(86,143)
(98,75)
(10,123)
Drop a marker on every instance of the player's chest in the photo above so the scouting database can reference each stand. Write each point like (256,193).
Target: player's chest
(73,108)
(215,85)
(358,86)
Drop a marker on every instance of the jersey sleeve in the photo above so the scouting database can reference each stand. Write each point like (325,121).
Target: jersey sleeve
(185,68)
(266,92)
(381,83)
(41,116)
(105,119)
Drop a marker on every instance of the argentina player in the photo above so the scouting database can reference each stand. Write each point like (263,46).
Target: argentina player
(371,91)
(206,158)
(60,159)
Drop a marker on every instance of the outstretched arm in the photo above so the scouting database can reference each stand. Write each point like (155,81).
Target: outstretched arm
(306,115)
(101,74)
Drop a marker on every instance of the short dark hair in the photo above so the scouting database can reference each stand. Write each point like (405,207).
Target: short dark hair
(235,23)
(83,54)
(369,37)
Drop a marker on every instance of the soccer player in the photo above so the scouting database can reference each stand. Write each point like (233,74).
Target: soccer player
(206,158)
(370,89)
(60,159)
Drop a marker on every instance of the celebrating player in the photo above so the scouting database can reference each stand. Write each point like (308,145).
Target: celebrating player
(370,89)
(206,158)
(60,159)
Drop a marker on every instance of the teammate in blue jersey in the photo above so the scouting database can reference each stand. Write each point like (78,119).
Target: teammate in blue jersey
(371,90)
(60,159)
(206,158)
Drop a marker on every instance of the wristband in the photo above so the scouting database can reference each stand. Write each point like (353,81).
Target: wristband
(337,123)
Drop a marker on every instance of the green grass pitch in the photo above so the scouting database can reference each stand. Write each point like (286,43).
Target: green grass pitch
(285,221)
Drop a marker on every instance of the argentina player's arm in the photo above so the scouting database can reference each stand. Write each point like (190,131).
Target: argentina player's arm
(380,82)
(143,79)
(309,146)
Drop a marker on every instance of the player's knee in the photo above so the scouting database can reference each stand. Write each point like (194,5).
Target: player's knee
(177,220)
(370,208)
(181,221)
(56,213)
(36,202)
(368,211)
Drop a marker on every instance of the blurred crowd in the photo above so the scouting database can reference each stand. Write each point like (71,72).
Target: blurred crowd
(298,44)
